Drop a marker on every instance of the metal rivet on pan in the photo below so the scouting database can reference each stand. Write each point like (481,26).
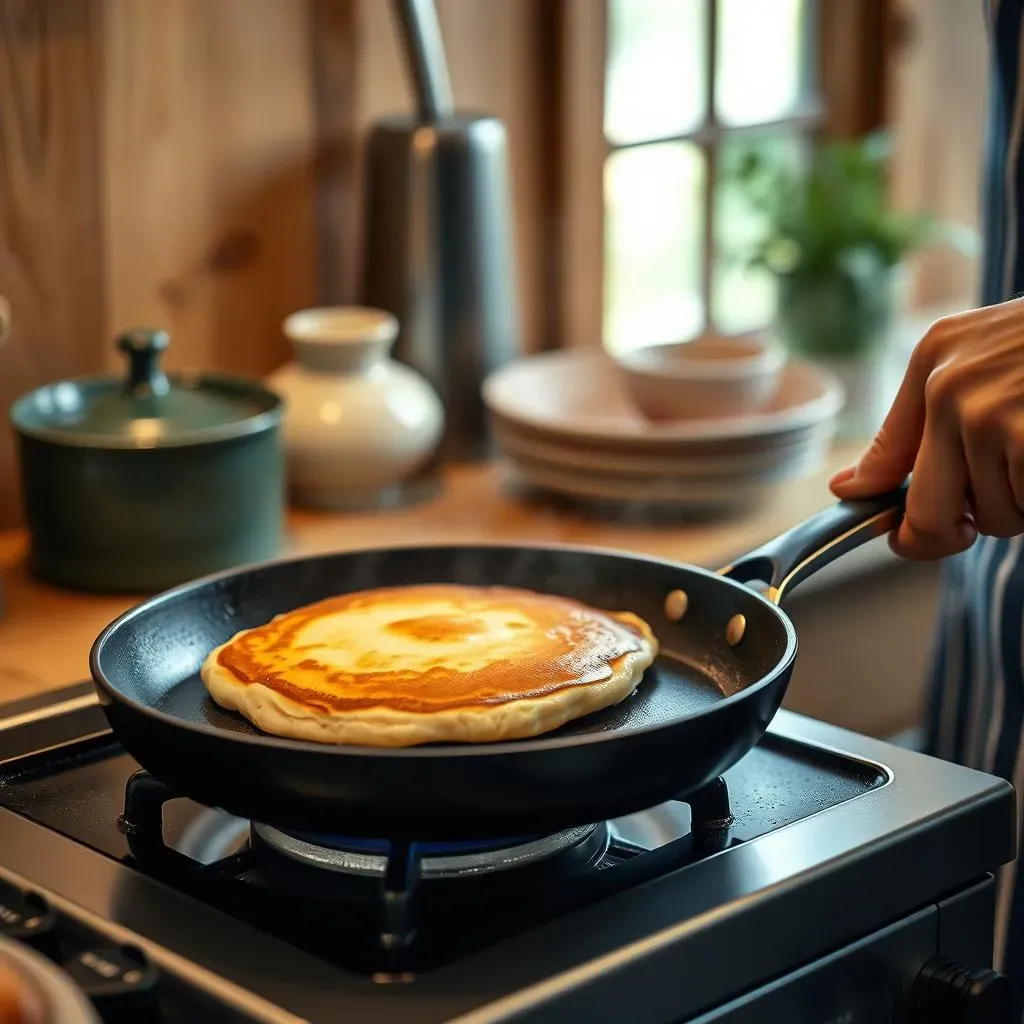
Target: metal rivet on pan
(735,629)
(676,604)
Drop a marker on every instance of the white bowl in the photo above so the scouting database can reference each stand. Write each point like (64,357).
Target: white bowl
(578,398)
(711,376)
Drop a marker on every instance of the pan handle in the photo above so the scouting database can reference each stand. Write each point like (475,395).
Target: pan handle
(791,557)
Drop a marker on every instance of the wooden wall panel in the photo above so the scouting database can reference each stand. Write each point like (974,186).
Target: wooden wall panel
(335,56)
(937,95)
(208,184)
(582,154)
(51,266)
(852,37)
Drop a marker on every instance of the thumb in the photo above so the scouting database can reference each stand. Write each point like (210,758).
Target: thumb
(891,455)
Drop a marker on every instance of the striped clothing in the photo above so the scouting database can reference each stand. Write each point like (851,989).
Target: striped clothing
(976,710)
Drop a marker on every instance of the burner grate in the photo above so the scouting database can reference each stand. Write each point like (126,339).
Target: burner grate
(417,920)
(402,916)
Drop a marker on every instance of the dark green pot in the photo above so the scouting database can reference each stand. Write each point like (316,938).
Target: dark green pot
(134,486)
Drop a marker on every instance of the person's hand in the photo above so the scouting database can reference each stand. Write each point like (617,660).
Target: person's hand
(958,425)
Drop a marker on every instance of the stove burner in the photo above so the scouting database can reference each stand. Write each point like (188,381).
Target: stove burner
(408,906)
(369,857)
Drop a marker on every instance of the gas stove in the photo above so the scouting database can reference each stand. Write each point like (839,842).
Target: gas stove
(826,879)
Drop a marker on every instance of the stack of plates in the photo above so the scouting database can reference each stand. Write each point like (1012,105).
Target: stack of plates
(565,422)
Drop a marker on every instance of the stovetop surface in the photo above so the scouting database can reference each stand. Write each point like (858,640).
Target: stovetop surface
(830,830)
(79,790)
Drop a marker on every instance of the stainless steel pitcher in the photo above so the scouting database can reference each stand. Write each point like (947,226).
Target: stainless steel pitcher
(438,248)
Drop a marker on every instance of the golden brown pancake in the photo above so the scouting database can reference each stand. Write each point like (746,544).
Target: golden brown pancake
(443,663)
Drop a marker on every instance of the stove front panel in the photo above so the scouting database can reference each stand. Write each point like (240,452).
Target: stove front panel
(867,982)
(890,976)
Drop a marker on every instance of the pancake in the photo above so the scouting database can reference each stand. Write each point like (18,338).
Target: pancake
(444,663)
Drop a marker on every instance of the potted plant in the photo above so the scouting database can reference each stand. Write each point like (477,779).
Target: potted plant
(836,249)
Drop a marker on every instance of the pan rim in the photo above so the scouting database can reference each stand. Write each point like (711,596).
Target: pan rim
(112,694)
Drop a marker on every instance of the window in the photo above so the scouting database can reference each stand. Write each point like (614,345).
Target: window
(687,86)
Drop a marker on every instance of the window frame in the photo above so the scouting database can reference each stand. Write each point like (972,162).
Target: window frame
(856,30)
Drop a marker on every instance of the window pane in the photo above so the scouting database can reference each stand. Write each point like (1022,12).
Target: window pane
(760,69)
(654,226)
(742,299)
(654,84)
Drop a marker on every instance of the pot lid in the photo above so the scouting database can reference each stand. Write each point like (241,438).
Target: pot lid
(145,408)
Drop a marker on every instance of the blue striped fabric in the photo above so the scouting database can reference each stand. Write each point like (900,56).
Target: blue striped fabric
(976,707)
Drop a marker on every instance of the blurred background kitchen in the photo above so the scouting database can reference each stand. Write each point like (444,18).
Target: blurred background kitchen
(651,172)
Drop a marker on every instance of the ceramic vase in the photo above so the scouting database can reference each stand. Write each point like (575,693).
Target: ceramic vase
(357,423)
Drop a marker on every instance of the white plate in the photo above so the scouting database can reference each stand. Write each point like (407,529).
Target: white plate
(684,493)
(765,460)
(690,496)
(579,395)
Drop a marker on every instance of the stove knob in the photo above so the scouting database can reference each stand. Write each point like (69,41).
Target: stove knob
(945,993)
(27,918)
(120,981)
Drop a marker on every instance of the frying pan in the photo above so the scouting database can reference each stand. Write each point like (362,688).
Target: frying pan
(705,702)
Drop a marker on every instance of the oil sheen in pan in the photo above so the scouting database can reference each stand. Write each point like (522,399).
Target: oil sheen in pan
(671,688)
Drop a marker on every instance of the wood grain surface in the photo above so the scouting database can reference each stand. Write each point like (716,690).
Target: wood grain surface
(937,116)
(208,183)
(51,266)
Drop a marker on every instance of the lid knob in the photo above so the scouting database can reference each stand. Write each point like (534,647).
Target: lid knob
(143,346)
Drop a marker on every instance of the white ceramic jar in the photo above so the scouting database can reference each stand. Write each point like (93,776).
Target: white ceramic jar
(357,423)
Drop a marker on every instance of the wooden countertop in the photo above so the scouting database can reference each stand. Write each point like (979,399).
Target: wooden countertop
(46,633)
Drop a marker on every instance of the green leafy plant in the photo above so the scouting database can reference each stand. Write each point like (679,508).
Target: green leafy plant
(834,210)
(826,231)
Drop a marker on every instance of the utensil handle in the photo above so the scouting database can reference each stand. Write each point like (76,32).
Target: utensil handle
(793,556)
(424,47)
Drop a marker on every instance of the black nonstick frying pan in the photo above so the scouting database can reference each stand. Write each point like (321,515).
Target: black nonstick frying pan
(706,701)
